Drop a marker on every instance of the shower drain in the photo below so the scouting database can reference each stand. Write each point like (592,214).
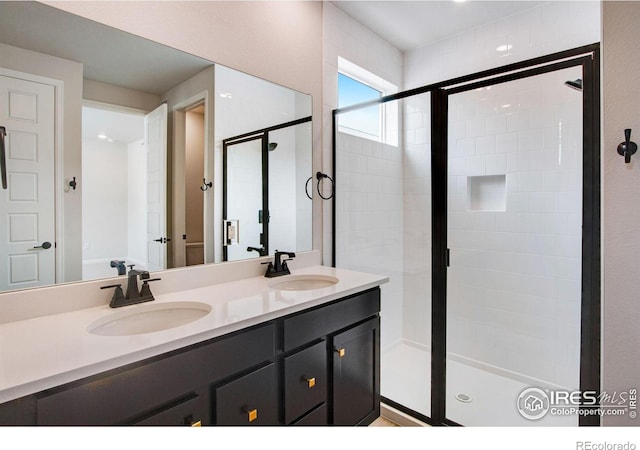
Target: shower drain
(464,398)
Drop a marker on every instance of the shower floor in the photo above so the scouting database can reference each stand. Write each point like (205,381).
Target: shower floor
(406,379)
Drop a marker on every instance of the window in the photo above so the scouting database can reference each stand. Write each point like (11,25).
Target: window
(377,122)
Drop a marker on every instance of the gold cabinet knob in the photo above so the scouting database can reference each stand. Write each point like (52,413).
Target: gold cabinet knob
(341,352)
(253,415)
(311,382)
(197,424)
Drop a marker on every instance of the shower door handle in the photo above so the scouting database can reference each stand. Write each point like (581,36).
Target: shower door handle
(3,158)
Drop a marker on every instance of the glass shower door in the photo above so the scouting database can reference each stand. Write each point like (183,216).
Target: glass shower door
(514,234)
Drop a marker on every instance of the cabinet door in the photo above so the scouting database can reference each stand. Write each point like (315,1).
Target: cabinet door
(305,381)
(249,400)
(356,374)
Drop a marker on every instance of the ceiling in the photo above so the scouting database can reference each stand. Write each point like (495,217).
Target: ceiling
(413,24)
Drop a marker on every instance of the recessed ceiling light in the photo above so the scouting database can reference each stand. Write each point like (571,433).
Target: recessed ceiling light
(109,140)
(504,47)
(506,105)
(102,136)
(225,94)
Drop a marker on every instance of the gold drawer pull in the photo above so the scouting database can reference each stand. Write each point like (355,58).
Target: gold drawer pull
(341,352)
(311,382)
(253,415)
(197,424)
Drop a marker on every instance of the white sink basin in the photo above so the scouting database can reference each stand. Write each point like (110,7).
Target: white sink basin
(148,317)
(303,282)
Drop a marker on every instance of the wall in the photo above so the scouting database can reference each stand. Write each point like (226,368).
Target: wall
(116,95)
(104,214)
(234,34)
(137,203)
(621,191)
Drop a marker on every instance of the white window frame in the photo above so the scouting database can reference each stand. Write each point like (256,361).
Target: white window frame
(388,111)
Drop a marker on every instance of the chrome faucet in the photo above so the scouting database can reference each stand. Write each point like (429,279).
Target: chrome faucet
(132,296)
(279,267)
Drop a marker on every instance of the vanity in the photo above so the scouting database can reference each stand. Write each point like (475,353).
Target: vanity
(302,349)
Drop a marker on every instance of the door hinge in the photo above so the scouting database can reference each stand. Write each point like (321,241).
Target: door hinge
(447,257)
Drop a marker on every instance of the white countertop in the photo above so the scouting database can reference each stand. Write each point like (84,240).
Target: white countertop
(43,352)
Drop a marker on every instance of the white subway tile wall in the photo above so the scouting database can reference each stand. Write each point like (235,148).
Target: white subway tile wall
(504,292)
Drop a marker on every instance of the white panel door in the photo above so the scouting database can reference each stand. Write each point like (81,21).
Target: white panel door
(155,130)
(27,206)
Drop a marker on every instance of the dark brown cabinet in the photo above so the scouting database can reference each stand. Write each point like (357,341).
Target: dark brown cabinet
(316,367)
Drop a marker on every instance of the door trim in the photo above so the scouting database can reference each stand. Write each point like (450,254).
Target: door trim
(176,208)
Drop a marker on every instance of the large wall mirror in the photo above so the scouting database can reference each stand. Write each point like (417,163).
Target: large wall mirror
(114,154)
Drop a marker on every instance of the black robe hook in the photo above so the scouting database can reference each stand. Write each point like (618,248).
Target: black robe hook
(627,148)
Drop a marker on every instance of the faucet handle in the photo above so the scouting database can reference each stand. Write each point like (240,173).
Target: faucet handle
(118,295)
(145,291)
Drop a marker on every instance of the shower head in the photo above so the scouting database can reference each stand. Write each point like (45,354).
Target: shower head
(575,84)
(272,146)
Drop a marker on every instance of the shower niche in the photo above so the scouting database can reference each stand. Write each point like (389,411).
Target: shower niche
(487,193)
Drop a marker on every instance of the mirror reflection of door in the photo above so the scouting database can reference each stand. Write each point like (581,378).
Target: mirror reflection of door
(120,189)
(27,206)
(244,218)
(156,144)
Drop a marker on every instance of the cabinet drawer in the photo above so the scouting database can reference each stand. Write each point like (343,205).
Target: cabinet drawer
(317,417)
(305,380)
(307,326)
(188,412)
(115,397)
(249,400)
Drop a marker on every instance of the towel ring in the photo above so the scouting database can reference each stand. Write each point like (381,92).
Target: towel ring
(321,176)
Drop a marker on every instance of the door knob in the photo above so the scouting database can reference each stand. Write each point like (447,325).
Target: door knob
(45,245)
